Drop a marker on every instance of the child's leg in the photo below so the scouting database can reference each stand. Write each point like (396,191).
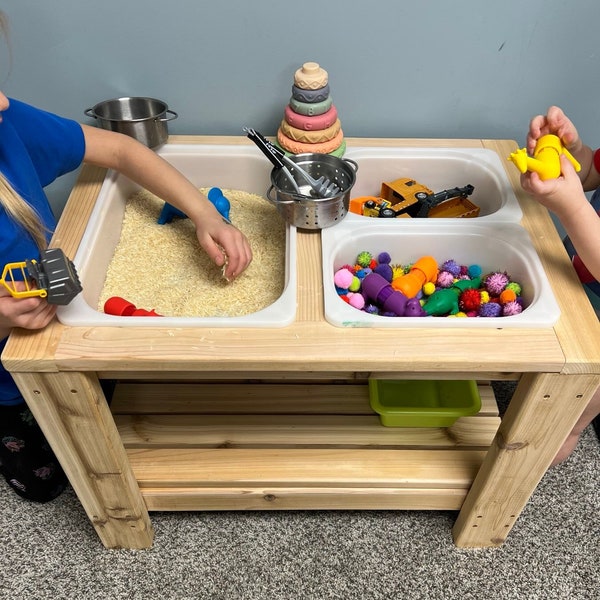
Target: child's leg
(589,414)
(26,460)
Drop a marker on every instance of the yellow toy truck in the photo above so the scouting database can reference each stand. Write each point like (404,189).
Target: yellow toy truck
(407,198)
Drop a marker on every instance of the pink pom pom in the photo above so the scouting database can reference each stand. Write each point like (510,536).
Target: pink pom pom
(511,308)
(343,278)
(445,279)
(495,283)
(356,300)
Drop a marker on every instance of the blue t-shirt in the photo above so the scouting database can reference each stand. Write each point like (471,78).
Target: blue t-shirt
(36,147)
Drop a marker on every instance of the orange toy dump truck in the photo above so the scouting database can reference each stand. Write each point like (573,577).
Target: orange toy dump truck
(407,198)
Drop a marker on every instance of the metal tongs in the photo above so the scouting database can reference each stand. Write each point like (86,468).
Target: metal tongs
(321,187)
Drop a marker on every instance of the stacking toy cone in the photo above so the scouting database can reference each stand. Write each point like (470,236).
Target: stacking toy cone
(310,122)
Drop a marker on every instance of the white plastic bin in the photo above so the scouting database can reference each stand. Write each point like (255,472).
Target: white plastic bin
(227,167)
(494,246)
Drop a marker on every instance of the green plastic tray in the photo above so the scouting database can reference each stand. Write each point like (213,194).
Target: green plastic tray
(417,403)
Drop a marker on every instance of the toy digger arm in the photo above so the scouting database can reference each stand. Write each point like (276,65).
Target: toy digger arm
(9,282)
(55,278)
(433,199)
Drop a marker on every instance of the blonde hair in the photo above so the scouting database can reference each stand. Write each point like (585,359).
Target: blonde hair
(22,213)
(14,205)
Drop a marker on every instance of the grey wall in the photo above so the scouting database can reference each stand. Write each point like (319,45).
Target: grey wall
(426,68)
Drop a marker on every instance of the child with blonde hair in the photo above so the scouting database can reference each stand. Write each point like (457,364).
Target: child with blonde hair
(36,147)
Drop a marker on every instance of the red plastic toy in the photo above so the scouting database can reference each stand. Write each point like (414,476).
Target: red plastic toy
(123,308)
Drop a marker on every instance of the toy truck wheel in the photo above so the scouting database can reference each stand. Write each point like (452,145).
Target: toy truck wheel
(387,213)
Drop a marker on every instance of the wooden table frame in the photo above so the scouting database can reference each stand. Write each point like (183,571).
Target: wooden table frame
(59,369)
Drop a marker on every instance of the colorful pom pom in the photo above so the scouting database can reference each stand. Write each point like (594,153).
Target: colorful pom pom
(429,288)
(490,309)
(452,267)
(364,259)
(354,284)
(356,300)
(495,283)
(343,278)
(493,295)
(445,279)
(512,308)
(469,300)
(515,287)
(385,271)
(507,296)
(474,271)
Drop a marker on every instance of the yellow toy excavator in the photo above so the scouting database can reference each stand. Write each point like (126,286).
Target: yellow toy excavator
(54,276)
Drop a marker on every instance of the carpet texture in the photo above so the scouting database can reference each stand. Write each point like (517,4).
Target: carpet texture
(553,553)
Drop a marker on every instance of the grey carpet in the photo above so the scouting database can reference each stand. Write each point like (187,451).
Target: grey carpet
(553,552)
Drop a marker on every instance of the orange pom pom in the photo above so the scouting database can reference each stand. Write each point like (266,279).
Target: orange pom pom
(507,296)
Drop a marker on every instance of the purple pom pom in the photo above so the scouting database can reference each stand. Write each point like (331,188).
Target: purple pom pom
(452,267)
(385,271)
(490,309)
(384,258)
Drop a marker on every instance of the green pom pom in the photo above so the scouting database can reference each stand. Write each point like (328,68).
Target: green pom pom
(515,287)
(364,259)
(355,285)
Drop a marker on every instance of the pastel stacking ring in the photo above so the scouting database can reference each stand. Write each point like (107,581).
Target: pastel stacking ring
(310,108)
(310,76)
(300,148)
(327,119)
(310,137)
(339,151)
(310,96)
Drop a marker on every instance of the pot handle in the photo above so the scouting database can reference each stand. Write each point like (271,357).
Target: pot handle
(352,163)
(89,112)
(274,201)
(175,115)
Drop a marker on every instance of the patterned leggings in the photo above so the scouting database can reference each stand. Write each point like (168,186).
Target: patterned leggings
(26,460)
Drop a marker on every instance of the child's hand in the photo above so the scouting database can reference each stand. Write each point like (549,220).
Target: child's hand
(555,122)
(558,195)
(29,313)
(226,245)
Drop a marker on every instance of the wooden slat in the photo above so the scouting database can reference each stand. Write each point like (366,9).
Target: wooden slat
(273,398)
(260,498)
(210,398)
(286,431)
(233,468)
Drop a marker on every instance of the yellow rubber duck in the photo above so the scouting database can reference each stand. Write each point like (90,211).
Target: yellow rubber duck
(546,158)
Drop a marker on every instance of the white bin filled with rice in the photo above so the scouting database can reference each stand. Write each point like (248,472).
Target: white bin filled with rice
(163,267)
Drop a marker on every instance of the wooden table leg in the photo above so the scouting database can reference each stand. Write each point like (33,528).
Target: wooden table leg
(73,414)
(544,409)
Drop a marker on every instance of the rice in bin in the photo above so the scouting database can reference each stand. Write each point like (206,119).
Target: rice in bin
(163,267)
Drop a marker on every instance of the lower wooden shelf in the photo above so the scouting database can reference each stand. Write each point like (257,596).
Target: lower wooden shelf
(269,446)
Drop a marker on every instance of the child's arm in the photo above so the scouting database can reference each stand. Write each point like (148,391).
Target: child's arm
(565,197)
(145,167)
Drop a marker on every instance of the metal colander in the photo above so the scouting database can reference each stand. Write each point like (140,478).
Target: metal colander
(303,210)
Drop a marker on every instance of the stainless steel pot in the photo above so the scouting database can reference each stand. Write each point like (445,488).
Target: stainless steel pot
(144,119)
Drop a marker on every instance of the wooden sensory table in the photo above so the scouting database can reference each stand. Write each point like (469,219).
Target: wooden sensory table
(254,419)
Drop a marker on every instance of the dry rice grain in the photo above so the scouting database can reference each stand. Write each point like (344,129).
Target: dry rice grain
(163,267)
